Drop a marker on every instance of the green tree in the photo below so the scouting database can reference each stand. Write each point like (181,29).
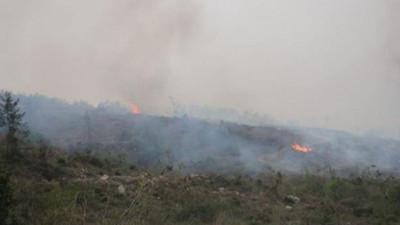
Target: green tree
(11,118)
(2,121)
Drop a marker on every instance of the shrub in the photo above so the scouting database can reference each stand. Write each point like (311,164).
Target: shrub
(5,195)
(61,161)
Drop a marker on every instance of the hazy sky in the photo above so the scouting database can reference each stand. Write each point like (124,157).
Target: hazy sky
(324,63)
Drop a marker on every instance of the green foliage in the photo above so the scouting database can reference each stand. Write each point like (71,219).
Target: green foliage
(61,161)
(11,118)
(277,184)
(195,209)
(338,188)
(5,195)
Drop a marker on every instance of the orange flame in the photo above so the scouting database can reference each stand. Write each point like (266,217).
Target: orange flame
(135,109)
(301,148)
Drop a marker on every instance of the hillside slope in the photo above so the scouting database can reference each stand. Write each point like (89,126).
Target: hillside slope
(203,146)
(106,188)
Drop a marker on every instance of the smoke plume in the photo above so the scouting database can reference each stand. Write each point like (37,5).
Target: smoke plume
(316,63)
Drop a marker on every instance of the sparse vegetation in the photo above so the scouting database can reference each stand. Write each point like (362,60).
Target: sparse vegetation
(88,188)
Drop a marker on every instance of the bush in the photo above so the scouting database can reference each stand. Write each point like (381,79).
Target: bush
(61,161)
(5,195)
(198,210)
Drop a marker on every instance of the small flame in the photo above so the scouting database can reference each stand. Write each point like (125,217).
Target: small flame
(135,109)
(301,148)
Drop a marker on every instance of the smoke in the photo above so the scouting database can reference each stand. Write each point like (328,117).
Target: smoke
(320,63)
(331,64)
(94,50)
(197,146)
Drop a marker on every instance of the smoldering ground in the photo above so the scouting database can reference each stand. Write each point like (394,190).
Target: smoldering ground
(192,145)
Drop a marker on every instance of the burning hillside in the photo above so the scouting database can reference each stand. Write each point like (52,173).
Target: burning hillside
(206,146)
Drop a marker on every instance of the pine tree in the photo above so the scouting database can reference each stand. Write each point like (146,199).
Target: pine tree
(12,120)
(2,121)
